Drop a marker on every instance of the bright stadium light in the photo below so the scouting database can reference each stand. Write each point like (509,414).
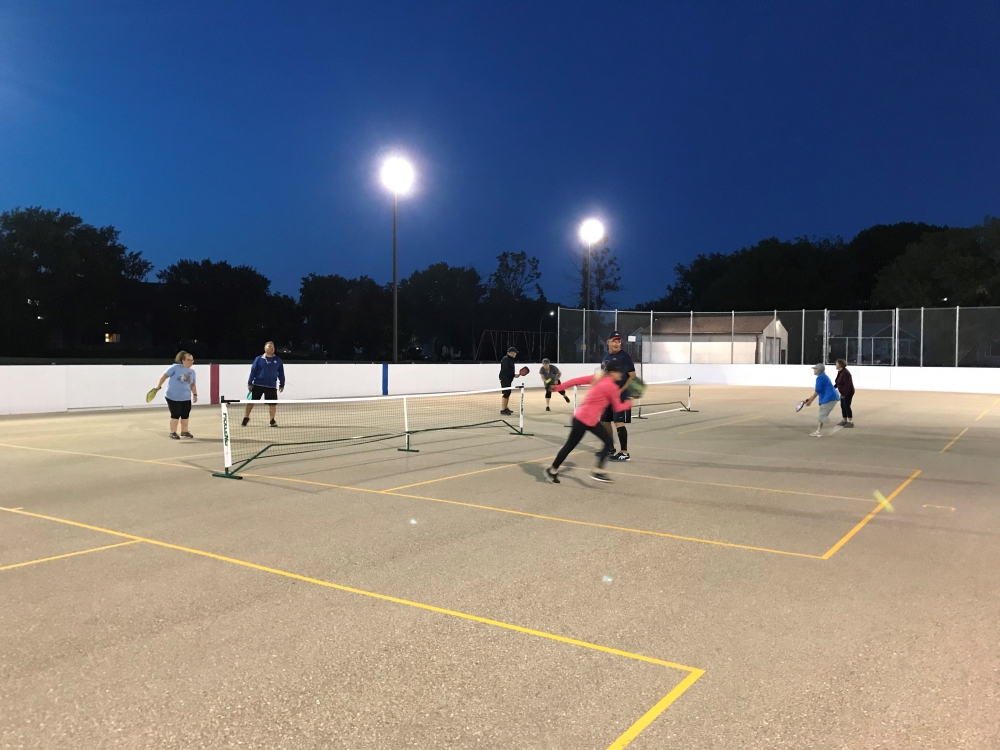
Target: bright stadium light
(397,175)
(591,231)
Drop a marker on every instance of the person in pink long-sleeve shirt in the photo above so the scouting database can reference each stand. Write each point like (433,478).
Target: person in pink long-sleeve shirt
(604,393)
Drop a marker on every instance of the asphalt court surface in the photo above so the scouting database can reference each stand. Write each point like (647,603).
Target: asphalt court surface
(737,586)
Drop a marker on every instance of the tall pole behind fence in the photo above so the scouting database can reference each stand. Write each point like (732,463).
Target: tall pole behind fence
(956,335)
(861,358)
(826,334)
(732,342)
(650,337)
(921,337)
(691,340)
(895,338)
(802,346)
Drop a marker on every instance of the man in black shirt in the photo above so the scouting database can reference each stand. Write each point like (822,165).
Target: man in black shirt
(621,418)
(507,375)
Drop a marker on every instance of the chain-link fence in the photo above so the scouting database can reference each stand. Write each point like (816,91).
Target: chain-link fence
(921,337)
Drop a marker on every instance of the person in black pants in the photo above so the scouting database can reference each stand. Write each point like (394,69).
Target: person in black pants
(550,375)
(507,376)
(845,386)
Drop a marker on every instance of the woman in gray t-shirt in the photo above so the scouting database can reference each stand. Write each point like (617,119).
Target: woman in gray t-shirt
(182,391)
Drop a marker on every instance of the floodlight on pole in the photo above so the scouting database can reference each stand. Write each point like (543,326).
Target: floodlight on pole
(591,232)
(397,176)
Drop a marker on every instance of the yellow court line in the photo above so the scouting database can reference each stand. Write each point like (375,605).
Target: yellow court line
(68,554)
(784,459)
(739,486)
(693,672)
(540,516)
(724,424)
(646,719)
(160,462)
(955,440)
(470,473)
(861,524)
(988,409)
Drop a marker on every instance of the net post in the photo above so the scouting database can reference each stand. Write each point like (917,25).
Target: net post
(227,450)
(406,431)
(689,394)
(520,415)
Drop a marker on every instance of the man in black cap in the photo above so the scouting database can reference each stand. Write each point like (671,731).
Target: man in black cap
(507,375)
(627,367)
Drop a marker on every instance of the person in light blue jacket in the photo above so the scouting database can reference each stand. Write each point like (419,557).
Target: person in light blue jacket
(266,381)
(182,391)
(827,395)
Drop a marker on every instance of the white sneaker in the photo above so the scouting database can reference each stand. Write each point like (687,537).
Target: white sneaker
(816,434)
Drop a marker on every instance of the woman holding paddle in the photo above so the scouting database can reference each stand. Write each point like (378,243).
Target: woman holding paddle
(182,391)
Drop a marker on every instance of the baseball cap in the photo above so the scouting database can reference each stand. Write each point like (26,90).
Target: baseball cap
(614,335)
(820,367)
(512,349)
(546,361)
(613,365)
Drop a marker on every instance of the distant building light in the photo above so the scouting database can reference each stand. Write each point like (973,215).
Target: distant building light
(40,317)
(112,338)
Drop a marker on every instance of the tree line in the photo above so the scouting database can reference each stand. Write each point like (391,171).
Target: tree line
(68,288)
(885,266)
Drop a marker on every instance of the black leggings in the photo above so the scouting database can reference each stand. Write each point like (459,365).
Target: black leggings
(845,406)
(576,433)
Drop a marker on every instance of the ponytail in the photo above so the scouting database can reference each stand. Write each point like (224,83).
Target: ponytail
(181,356)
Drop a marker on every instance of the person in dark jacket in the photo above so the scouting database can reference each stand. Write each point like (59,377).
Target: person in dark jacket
(845,387)
(507,375)
(266,381)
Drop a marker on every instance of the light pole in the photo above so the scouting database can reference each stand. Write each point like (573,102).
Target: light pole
(591,231)
(541,351)
(397,176)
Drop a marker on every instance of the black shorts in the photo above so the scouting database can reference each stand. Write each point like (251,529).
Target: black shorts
(179,409)
(506,386)
(618,417)
(550,386)
(263,393)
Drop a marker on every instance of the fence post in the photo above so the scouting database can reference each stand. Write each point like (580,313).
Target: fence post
(616,320)
(895,338)
(802,346)
(826,333)
(732,342)
(777,338)
(691,340)
(651,337)
(921,337)
(957,308)
(586,344)
(558,331)
(861,357)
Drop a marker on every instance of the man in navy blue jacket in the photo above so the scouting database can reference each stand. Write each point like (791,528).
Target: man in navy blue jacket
(266,381)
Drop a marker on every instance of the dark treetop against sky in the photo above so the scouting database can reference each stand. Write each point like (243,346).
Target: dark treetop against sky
(252,132)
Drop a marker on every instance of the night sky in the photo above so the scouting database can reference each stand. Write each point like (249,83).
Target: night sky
(252,132)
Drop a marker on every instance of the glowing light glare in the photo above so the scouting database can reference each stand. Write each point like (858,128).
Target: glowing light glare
(397,174)
(591,231)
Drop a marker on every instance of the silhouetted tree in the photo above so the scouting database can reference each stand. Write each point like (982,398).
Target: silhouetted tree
(64,283)
(219,310)
(441,306)
(348,318)
(604,276)
(952,267)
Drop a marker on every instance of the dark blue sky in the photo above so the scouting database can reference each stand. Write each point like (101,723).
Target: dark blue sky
(252,132)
